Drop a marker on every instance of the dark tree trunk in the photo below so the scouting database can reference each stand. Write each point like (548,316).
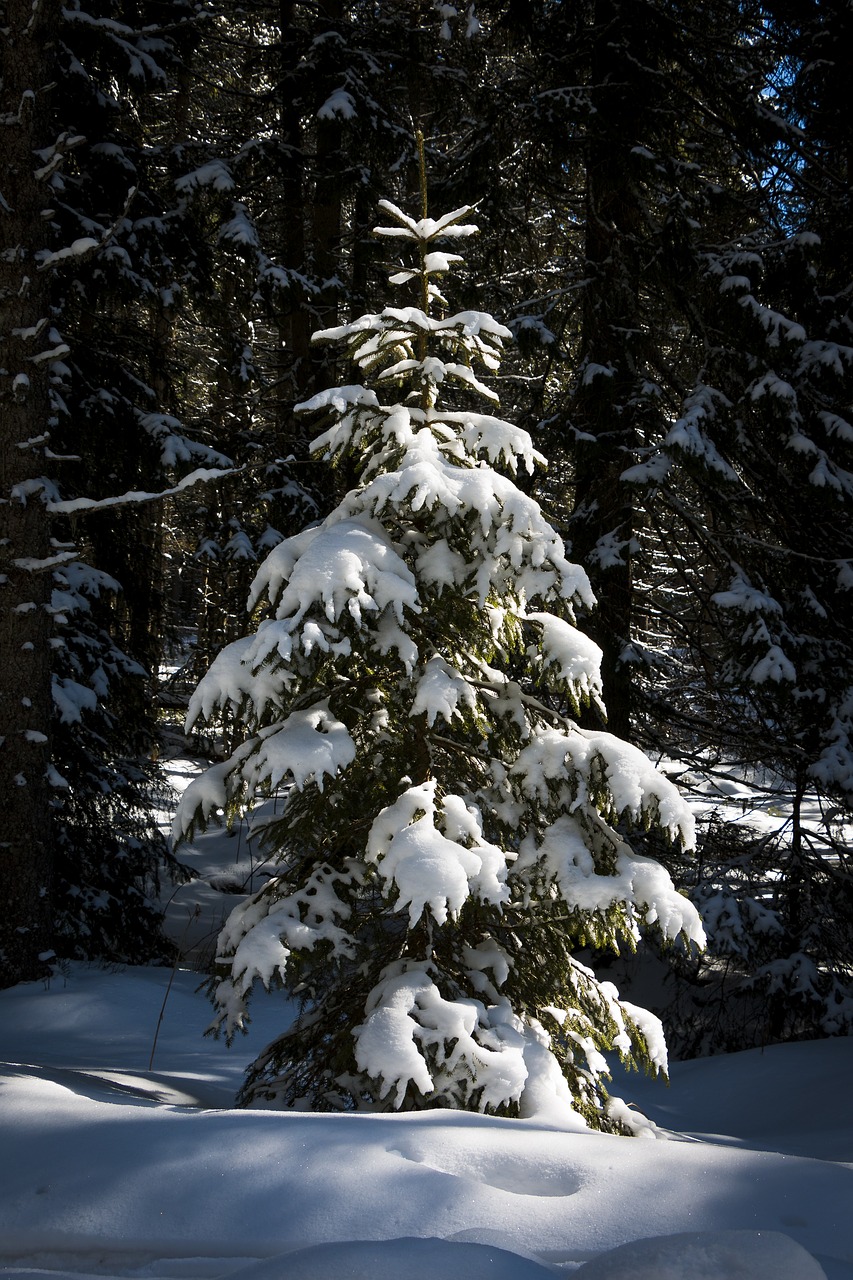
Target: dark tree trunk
(603,411)
(326,214)
(295,322)
(25,548)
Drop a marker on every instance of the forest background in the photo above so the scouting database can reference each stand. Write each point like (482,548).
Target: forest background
(664,195)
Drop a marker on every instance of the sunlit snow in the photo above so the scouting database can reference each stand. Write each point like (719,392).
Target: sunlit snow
(115,1168)
(115,1164)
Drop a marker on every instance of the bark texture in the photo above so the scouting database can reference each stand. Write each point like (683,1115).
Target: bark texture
(25,548)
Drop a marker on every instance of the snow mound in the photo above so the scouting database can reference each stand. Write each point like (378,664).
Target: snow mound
(702,1255)
(414,1257)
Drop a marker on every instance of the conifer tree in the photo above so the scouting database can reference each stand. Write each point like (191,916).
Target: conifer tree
(622,132)
(753,488)
(448,838)
(764,446)
(301,120)
(109,854)
(93,268)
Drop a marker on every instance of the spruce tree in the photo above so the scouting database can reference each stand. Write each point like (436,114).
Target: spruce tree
(447,837)
(87,288)
(766,440)
(622,132)
(753,488)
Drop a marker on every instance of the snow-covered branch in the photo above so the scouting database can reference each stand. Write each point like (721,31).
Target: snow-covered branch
(78,506)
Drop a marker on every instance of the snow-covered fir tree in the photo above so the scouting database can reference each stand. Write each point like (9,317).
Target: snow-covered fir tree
(447,839)
(110,857)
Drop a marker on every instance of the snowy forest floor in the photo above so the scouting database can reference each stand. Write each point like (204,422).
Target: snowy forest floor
(120,1163)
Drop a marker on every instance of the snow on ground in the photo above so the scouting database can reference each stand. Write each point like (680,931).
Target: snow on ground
(756,798)
(111,1167)
(115,1163)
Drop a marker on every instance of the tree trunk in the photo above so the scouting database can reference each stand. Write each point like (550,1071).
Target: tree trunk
(326,212)
(25,581)
(294,380)
(603,411)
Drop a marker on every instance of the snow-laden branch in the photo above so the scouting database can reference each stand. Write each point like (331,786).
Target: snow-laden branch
(74,506)
(84,248)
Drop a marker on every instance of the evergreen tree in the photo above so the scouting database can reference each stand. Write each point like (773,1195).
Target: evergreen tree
(107,795)
(451,838)
(85,388)
(302,114)
(622,132)
(756,479)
